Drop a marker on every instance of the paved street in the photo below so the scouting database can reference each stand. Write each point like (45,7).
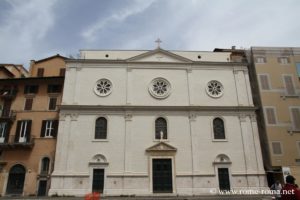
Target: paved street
(240,197)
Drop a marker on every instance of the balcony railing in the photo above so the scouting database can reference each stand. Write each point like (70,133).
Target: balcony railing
(8,92)
(12,142)
(8,114)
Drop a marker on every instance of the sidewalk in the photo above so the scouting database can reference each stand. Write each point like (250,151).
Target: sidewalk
(219,197)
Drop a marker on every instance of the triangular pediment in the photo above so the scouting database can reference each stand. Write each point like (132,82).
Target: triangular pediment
(161,147)
(159,55)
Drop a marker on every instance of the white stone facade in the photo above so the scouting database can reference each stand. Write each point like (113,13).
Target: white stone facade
(126,155)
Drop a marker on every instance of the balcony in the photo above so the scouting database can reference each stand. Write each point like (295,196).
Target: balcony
(8,115)
(8,93)
(12,143)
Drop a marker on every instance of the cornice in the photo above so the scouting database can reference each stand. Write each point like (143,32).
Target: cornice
(193,63)
(156,108)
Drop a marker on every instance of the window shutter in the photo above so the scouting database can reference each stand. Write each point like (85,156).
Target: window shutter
(290,89)
(55,128)
(276,148)
(43,128)
(264,82)
(52,103)
(6,132)
(28,130)
(40,72)
(296,118)
(28,104)
(288,59)
(17,135)
(271,116)
(62,72)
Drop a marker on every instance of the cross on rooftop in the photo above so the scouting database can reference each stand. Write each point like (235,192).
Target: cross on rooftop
(158,41)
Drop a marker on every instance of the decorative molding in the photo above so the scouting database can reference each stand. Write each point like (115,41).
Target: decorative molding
(74,116)
(128,116)
(238,109)
(129,69)
(253,118)
(192,116)
(242,117)
(62,117)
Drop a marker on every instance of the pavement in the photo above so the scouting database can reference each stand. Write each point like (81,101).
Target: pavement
(216,197)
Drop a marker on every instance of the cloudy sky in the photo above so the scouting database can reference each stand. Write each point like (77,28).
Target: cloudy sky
(35,29)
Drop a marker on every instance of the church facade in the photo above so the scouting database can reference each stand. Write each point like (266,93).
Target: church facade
(156,122)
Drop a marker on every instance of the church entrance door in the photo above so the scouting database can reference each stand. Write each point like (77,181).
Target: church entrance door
(162,175)
(98,180)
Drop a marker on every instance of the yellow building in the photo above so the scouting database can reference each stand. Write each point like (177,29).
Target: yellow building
(28,127)
(276,89)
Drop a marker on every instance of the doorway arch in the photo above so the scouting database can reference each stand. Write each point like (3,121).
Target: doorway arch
(16,178)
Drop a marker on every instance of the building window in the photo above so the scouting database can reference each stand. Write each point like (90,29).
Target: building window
(31,89)
(161,130)
(28,104)
(289,85)
(3,132)
(49,128)
(219,130)
(52,103)
(295,113)
(160,88)
(260,60)
(270,115)
(298,69)
(103,87)
(214,89)
(101,128)
(54,88)
(283,60)
(276,147)
(264,81)
(45,165)
(40,72)
(23,131)
(62,72)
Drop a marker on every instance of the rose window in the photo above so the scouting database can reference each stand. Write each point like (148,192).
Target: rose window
(103,87)
(160,88)
(214,88)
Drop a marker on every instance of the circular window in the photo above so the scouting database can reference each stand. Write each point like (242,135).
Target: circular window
(214,89)
(103,87)
(160,88)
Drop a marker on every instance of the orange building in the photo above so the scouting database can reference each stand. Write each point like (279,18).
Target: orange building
(28,126)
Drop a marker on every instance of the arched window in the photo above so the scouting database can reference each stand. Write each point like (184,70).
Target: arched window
(101,128)
(219,131)
(161,128)
(45,165)
(16,179)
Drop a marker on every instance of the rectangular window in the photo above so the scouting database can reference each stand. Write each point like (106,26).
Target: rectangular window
(54,88)
(270,114)
(49,128)
(295,112)
(31,89)
(260,60)
(28,104)
(52,103)
(298,145)
(264,82)
(23,131)
(298,69)
(62,72)
(289,85)
(283,60)
(276,147)
(40,72)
